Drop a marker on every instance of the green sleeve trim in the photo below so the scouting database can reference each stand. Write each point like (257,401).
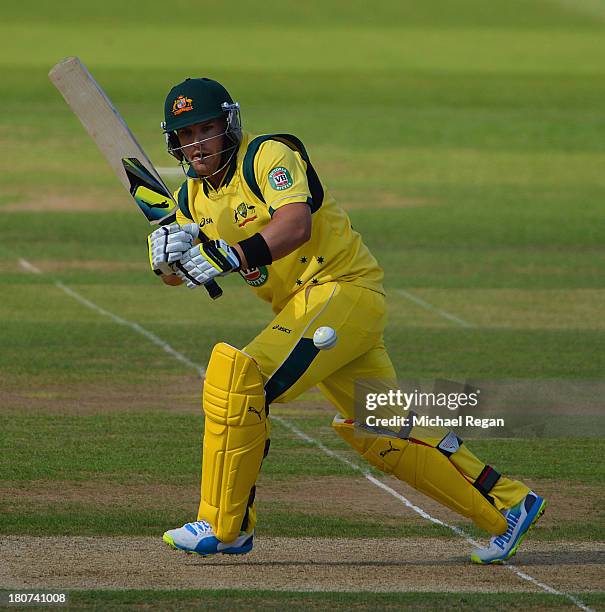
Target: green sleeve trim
(248,165)
(317,192)
(183,201)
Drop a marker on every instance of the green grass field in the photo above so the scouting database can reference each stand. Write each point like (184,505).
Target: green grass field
(467,142)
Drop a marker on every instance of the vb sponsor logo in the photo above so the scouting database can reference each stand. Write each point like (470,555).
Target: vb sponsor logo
(280,179)
(255,277)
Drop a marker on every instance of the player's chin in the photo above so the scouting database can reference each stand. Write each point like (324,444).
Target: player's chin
(201,169)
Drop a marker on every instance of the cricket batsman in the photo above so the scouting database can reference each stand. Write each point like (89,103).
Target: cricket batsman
(269,218)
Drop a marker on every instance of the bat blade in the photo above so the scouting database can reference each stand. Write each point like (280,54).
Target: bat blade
(118,145)
(99,117)
(153,198)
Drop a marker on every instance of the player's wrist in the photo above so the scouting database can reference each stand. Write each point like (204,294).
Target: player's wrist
(242,258)
(256,251)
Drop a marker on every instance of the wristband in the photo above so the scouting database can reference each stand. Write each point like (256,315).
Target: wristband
(256,251)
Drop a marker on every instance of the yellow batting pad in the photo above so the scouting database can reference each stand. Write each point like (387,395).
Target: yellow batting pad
(426,469)
(234,440)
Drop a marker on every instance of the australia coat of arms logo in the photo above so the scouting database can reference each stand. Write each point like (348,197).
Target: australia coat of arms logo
(182,105)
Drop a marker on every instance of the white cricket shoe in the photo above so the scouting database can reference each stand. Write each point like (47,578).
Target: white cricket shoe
(199,538)
(520,520)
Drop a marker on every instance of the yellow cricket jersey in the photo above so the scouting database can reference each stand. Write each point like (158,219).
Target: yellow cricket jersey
(269,172)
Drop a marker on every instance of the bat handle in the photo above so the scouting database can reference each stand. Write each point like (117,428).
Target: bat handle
(214,291)
(212,287)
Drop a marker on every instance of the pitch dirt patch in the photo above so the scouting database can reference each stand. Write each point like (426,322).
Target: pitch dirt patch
(560,497)
(57,202)
(90,266)
(173,394)
(342,496)
(107,200)
(587,501)
(305,564)
(353,496)
(333,496)
(99,495)
(182,393)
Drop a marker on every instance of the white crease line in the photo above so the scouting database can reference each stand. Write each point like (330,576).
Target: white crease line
(428,306)
(373,480)
(29,267)
(116,319)
(135,326)
(171,171)
(426,515)
(166,347)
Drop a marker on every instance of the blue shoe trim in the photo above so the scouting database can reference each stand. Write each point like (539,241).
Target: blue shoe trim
(527,523)
(240,550)
(209,546)
(531,515)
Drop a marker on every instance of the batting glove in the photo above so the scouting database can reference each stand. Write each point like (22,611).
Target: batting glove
(205,261)
(168,244)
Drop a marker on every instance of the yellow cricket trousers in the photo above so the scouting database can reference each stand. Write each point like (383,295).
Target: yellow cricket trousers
(291,364)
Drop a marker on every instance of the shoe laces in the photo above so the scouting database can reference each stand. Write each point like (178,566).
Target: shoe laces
(199,527)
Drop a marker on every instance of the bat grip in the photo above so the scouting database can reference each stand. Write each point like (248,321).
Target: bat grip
(212,287)
(214,291)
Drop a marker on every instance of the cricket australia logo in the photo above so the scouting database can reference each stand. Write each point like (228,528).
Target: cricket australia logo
(391,449)
(241,212)
(182,105)
(280,179)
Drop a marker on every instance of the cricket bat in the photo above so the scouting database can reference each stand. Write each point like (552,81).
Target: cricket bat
(118,145)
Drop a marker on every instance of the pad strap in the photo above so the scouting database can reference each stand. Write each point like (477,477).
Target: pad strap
(486,481)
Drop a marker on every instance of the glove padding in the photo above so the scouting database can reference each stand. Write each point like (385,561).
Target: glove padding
(168,244)
(204,262)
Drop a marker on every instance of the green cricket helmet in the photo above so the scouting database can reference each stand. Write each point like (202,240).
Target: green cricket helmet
(197,100)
